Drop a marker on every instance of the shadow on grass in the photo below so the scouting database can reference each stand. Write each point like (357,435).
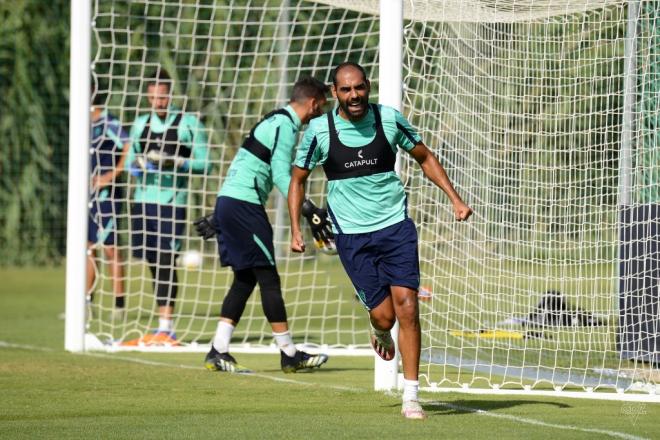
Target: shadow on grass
(474,406)
(321,370)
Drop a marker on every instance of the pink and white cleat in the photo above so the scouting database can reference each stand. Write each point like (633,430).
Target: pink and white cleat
(383,345)
(411,409)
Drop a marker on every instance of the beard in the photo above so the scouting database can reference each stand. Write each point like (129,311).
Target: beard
(354,109)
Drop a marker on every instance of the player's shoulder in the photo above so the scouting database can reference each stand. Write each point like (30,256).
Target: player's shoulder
(111,118)
(190,118)
(388,112)
(142,119)
(272,122)
(113,121)
(319,125)
(113,124)
(280,117)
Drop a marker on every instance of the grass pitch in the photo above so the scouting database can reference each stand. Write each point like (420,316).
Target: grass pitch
(48,393)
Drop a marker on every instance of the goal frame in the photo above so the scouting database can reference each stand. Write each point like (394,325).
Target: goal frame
(76,338)
(386,374)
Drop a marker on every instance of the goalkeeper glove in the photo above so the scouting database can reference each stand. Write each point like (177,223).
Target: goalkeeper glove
(164,160)
(140,166)
(205,227)
(321,226)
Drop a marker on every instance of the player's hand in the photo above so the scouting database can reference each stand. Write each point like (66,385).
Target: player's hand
(105,179)
(205,227)
(297,242)
(140,166)
(321,227)
(462,211)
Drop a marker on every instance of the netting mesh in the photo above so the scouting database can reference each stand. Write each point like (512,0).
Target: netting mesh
(528,119)
(524,104)
(231,63)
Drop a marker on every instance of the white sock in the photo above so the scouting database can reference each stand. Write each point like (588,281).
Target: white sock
(164,325)
(223,336)
(410,388)
(285,343)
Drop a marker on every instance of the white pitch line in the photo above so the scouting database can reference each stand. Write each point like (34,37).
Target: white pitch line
(4,344)
(533,421)
(190,367)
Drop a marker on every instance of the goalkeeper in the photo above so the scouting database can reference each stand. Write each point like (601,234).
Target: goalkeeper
(244,233)
(168,145)
(376,240)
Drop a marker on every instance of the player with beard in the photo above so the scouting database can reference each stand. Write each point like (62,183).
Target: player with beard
(356,144)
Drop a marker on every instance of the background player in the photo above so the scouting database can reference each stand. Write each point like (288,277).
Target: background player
(110,145)
(244,233)
(168,145)
(376,240)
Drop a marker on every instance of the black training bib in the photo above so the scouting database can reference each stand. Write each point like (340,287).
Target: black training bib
(346,162)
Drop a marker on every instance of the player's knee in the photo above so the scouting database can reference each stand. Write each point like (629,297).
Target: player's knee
(238,295)
(407,313)
(382,316)
(111,253)
(165,283)
(165,302)
(271,294)
(244,281)
(166,293)
(267,276)
(269,282)
(382,319)
(273,305)
(166,288)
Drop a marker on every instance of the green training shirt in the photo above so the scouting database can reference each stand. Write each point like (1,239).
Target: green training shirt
(170,187)
(251,179)
(367,203)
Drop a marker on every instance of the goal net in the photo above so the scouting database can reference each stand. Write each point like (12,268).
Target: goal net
(534,109)
(231,63)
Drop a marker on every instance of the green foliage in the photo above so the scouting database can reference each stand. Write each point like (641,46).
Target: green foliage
(33,129)
(543,117)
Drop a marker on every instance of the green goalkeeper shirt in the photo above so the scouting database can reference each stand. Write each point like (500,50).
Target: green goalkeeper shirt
(162,186)
(251,178)
(367,203)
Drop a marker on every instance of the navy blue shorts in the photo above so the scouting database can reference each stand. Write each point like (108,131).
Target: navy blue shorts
(156,228)
(375,261)
(102,224)
(245,237)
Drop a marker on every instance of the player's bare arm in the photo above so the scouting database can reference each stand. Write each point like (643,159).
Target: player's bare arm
(434,170)
(296,196)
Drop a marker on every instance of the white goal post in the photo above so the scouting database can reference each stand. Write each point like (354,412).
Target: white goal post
(544,113)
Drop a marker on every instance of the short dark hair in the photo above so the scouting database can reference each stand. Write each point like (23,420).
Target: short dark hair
(160,76)
(308,87)
(336,70)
